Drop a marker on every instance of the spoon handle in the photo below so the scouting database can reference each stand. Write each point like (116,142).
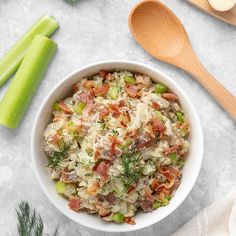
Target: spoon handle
(222,95)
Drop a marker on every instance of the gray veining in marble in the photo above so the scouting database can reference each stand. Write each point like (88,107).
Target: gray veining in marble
(95,30)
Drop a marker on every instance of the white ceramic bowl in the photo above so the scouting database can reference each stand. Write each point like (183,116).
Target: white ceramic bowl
(190,171)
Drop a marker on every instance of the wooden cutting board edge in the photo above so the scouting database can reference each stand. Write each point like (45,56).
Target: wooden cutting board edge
(229,16)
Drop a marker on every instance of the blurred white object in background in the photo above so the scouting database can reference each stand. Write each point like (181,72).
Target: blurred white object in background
(222,5)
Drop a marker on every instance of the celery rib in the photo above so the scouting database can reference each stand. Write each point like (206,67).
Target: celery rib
(23,86)
(46,26)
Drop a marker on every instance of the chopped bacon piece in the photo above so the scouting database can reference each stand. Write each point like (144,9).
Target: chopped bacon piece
(158,126)
(146,205)
(97,154)
(131,90)
(85,96)
(130,189)
(112,151)
(149,196)
(101,89)
(170,96)
(155,105)
(121,103)
(79,128)
(111,198)
(141,144)
(103,73)
(103,212)
(115,110)
(154,184)
(114,139)
(55,138)
(129,220)
(103,113)
(115,114)
(163,191)
(102,169)
(123,124)
(114,143)
(126,113)
(170,184)
(168,175)
(74,203)
(64,108)
(131,134)
(75,88)
(173,170)
(174,148)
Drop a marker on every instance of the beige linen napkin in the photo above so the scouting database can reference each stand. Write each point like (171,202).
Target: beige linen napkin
(218,219)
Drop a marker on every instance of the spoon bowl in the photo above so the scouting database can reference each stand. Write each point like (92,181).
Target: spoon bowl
(164,41)
(158,30)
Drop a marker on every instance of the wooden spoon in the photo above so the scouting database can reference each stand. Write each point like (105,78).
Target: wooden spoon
(158,30)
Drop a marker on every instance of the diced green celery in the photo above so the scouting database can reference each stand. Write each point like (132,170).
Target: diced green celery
(60,187)
(56,106)
(113,93)
(159,115)
(126,144)
(46,26)
(161,88)
(180,162)
(24,85)
(130,79)
(60,144)
(173,157)
(71,123)
(118,217)
(79,107)
(156,205)
(89,151)
(160,203)
(180,117)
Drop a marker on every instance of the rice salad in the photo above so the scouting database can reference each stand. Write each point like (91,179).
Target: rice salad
(116,145)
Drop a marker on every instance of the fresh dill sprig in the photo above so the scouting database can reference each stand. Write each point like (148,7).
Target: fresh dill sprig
(56,158)
(115,132)
(103,125)
(71,1)
(29,222)
(131,168)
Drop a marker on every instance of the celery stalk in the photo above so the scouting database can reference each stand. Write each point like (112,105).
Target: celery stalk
(46,26)
(24,84)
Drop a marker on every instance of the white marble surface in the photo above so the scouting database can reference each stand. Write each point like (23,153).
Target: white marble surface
(95,30)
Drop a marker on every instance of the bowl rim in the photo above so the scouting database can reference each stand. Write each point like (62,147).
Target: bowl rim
(116,62)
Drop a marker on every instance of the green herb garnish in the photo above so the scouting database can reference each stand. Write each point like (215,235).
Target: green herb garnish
(132,168)
(29,222)
(103,125)
(173,157)
(56,158)
(71,1)
(115,132)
